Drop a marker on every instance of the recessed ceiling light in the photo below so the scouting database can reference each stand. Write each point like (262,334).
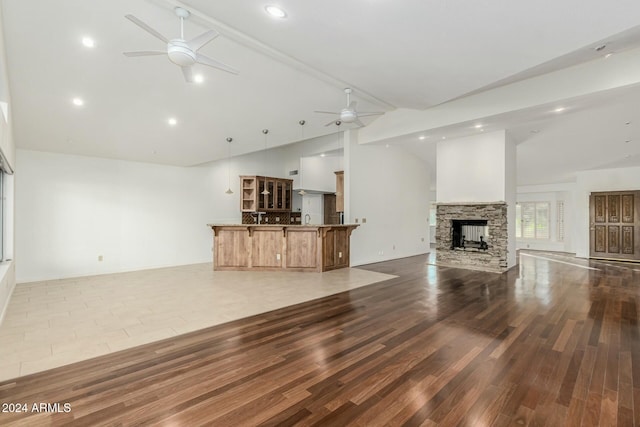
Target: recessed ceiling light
(172,121)
(78,102)
(198,78)
(422,138)
(608,55)
(323,155)
(88,42)
(275,11)
(559,110)
(444,137)
(478,126)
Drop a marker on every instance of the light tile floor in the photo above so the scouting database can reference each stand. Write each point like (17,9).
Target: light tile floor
(57,322)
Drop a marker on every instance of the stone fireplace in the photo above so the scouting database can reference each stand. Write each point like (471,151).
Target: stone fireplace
(472,235)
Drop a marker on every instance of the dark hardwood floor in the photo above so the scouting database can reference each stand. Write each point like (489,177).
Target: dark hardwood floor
(548,343)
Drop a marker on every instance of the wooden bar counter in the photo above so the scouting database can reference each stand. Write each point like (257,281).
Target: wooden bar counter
(313,248)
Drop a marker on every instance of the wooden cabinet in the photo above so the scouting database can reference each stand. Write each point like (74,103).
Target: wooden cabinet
(339,191)
(335,248)
(281,247)
(278,197)
(248,193)
(331,214)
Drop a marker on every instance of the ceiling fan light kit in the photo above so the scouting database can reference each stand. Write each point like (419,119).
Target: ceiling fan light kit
(350,114)
(181,52)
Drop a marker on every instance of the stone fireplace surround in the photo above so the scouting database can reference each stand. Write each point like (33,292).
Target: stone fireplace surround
(495,258)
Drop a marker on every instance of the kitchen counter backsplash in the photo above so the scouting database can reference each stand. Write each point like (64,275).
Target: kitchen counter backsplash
(274,218)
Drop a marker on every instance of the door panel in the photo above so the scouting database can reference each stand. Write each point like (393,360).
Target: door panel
(615,225)
(627,208)
(613,239)
(601,238)
(600,207)
(613,207)
(627,239)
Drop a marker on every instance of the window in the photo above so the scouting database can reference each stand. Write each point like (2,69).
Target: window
(532,220)
(432,214)
(560,227)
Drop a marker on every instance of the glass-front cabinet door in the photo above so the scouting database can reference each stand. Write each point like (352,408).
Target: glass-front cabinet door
(271,188)
(279,195)
(261,197)
(287,195)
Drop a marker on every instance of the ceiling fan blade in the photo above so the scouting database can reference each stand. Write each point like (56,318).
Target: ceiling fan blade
(147,28)
(188,74)
(144,53)
(332,122)
(205,60)
(204,38)
(358,122)
(327,112)
(379,113)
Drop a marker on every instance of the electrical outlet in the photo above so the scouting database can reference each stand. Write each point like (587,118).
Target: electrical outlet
(100,257)
(278,257)
(394,247)
(277,219)
(339,254)
(356,220)
(364,220)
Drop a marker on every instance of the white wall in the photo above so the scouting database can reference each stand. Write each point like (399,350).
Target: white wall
(293,154)
(597,180)
(313,205)
(394,198)
(553,194)
(317,173)
(471,169)
(510,185)
(72,209)
(7,146)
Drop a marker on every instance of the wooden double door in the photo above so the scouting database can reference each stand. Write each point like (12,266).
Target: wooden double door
(614,225)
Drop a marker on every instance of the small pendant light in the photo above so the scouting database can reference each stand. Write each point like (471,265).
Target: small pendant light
(229,191)
(265,192)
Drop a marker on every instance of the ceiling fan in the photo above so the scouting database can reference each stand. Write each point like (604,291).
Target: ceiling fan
(180,51)
(349,114)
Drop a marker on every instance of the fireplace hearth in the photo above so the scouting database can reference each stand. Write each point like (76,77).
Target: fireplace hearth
(469,234)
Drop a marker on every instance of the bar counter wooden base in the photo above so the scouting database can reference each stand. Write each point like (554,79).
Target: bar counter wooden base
(312,248)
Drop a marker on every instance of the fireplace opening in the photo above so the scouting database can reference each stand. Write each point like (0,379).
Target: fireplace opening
(469,234)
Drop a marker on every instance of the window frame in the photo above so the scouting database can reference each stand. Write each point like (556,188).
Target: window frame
(533,207)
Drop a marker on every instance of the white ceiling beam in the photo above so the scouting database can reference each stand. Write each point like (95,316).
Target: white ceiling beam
(618,71)
(256,45)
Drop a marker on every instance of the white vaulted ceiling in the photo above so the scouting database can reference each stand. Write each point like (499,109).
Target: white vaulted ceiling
(413,54)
